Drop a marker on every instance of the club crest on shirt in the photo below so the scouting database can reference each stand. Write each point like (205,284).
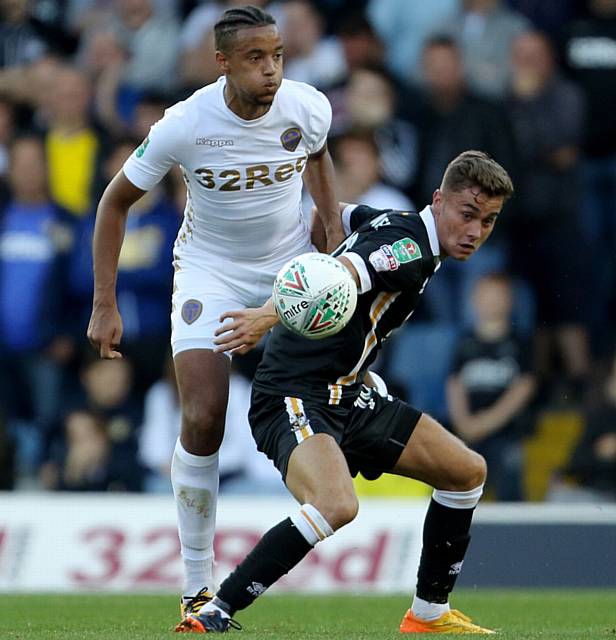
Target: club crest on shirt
(290,138)
(191,310)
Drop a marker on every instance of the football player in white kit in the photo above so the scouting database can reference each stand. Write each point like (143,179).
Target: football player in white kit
(243,144)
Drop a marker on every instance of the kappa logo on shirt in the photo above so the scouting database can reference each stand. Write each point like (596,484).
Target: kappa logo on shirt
(214,142)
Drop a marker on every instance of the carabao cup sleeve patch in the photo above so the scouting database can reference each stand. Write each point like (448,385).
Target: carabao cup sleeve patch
(191,310)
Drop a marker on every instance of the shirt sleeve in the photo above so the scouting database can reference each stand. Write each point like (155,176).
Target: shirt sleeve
(362,213)
(320,121)
(391,258)
(149,163)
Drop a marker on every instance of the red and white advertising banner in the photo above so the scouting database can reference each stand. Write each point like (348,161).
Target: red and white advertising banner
(81,542)
(122,543)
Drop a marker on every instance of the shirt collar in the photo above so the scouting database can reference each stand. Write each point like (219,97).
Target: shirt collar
(428,220)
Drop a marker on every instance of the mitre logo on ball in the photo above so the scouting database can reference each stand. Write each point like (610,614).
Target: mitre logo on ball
(314,295)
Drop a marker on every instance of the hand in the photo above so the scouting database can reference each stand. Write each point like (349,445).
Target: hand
(105,330)
(246,328)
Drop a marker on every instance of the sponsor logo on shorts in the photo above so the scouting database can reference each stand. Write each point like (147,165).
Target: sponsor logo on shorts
(455,568)
(191,310)
(290,138)
(213,142)
(383,259)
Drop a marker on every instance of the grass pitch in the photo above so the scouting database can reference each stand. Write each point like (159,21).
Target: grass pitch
(519,614)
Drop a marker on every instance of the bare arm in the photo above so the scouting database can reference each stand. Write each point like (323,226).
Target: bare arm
(476,426)
(319,178)
(105,328)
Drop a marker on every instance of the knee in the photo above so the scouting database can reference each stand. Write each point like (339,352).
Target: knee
(475,472)
(203,421)
(341,511)
(471,472)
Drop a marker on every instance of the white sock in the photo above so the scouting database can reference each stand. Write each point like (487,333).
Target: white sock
(459,499)
(311,524)
(195,487)
(428,610)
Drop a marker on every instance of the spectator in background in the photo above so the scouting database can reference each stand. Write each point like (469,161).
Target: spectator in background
(405,26)
(151,42)
(590,55)
(491,386)
(360,43)
(356,158)
(74,145)
(370,103)
(107,388)
(145,274)
(35,240)
(547,114)
(591,473)
(7,130)
(20,44)
(309,55)
(132,49)
(450,118)
(485,31)
(85,463)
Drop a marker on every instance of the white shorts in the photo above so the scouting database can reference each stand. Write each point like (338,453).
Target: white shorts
(203,291)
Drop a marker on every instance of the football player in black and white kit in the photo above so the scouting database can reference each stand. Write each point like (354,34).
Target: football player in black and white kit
(244,144)
(314,417)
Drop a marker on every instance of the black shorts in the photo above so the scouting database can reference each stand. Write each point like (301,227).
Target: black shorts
(372,433)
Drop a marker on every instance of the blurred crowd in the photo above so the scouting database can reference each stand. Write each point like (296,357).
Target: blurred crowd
(525,327)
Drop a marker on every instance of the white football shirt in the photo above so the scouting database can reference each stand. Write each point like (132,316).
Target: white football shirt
(244,177)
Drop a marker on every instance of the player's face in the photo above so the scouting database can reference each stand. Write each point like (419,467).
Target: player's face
(464,220)
(254,66)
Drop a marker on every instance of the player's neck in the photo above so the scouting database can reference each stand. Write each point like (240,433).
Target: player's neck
(242,108)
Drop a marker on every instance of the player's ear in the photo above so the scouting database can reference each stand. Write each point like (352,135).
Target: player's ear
(223,61)
(437,198)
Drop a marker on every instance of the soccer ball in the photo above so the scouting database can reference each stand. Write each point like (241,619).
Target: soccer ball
(314,295)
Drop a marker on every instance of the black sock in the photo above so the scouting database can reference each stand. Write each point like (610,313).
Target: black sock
(445,540)
(278,551)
